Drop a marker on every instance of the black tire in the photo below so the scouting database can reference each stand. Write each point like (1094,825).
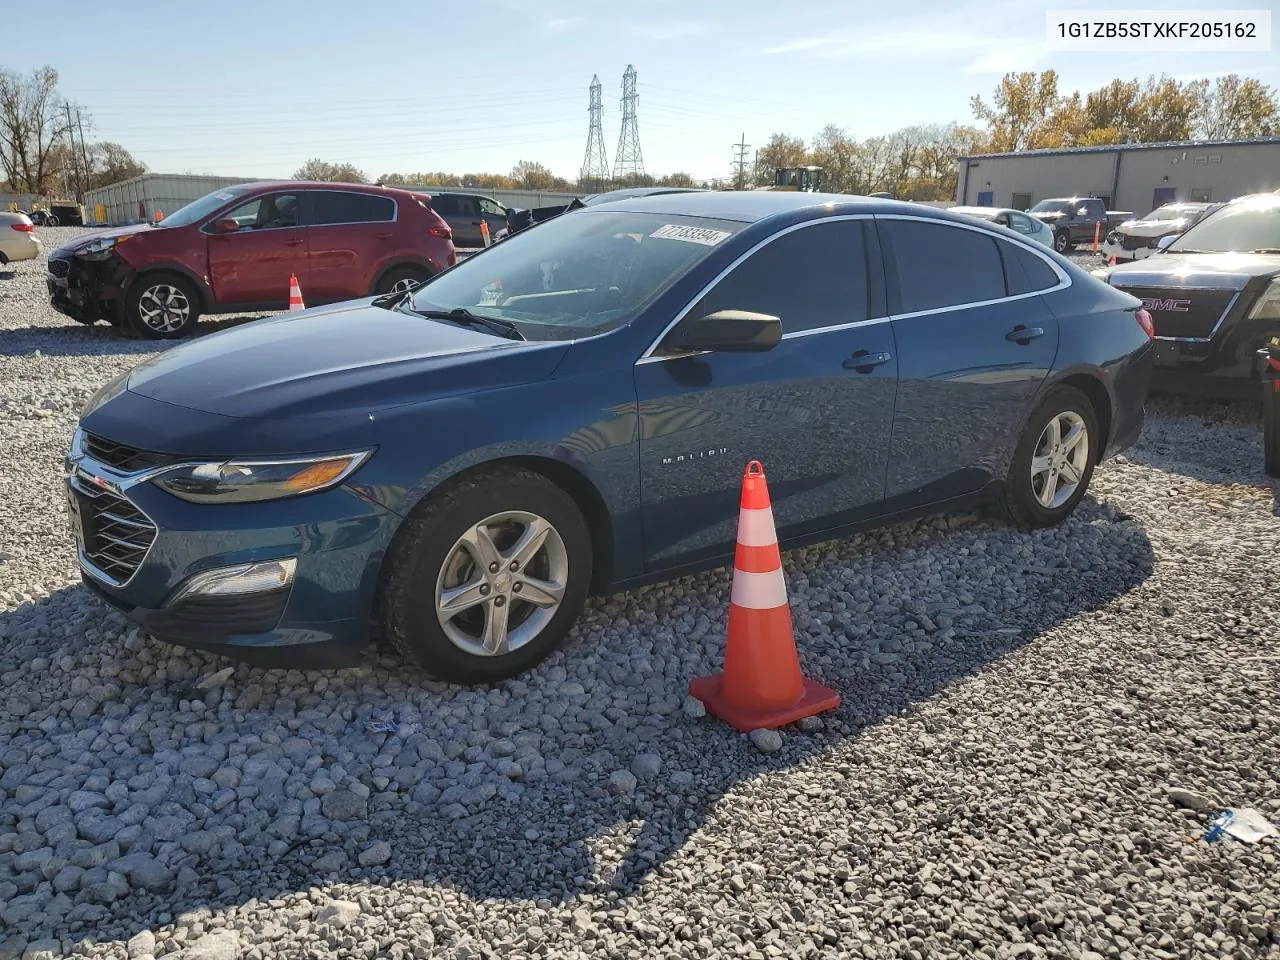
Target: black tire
(144,288)
(1062,241)
(1017,501)
(387,282)
(406,607)
(1271,429)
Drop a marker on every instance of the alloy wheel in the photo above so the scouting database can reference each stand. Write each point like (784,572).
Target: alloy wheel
(501,583)
(164,308)
(403,285)
(1060,460)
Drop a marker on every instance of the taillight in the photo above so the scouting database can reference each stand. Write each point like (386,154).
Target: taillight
(444,233)
(1146,323)
(23,227)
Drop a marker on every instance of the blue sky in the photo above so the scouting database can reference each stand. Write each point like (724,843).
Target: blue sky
(390,85)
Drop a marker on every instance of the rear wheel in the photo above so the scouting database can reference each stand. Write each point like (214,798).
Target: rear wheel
(1053,462)
(1061,241)
(488,578)
(402,279)
(162,306)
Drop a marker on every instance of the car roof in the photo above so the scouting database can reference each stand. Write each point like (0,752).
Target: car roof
(323,185)
(749,206)
(983,210)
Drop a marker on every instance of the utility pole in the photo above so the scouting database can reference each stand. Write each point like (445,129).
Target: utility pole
(84,153)
(740,162)
(71,136)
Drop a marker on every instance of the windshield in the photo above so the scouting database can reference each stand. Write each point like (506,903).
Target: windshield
(1051,206)
(577,275)
(1252,224)
(197,210)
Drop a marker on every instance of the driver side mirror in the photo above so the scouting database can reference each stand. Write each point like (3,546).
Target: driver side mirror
(726,331)
(225,226)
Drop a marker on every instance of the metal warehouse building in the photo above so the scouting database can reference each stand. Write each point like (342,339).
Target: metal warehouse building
(1131,176)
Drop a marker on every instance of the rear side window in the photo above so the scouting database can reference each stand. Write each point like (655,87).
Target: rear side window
(467,206)
(332,206)
(939,265)
(444,204)
(810,278)
(1024,271)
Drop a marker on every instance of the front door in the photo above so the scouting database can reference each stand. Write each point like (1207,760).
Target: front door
(816,410)
(975,343)
(494,215)
(253,264)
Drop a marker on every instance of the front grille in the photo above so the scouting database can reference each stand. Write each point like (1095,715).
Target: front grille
(59,268)
(122,457)
(117,535)
(1136,243)
(1182,312)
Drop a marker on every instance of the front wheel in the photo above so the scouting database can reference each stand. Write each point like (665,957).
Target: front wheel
(1062,241)
(161,306)
(488,578)
(1053,462)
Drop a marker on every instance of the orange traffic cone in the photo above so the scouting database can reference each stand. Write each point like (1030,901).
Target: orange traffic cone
(484,231)
(1097,236)
(762,685)
(1113,261)
(295,294)
(159,215)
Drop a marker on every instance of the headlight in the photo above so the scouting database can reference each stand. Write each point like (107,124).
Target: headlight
(110,390)
(97,249)
(245,481)
(1268,305)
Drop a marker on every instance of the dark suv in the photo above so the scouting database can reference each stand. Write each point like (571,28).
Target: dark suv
(464,212)
(236,248)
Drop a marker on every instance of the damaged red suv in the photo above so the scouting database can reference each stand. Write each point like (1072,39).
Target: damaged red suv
(235,249)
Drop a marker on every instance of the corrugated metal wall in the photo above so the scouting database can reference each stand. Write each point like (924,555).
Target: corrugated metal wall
(520,199)
(23,200)
(154,191)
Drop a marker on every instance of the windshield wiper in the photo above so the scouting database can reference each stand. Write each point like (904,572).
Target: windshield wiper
(392,299)
(463,316)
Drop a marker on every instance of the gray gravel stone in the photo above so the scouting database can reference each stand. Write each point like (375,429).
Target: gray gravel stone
(339,913)
(375,854)
(622,781)
(141,944)
(767,741)
(343,805)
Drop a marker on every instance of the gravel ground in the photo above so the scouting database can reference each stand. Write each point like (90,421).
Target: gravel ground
(1018,709)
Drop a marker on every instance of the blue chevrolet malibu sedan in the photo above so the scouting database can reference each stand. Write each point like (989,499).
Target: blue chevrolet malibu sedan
(456,467)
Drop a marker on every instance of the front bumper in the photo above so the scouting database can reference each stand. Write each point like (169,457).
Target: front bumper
(1122,255)
(86,290)
(320,618)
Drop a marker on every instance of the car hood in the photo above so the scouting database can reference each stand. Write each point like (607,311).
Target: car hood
(86,238)
(1152,228)
(349,357)
(1230,271)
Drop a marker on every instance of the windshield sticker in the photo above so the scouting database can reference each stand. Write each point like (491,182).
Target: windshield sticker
(703,235)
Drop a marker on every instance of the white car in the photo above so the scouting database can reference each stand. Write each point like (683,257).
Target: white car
(1139,238)
(18,240)
(1013,219)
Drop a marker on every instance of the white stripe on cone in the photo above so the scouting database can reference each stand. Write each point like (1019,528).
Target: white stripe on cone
(755,527)
(759,591)
(295,297)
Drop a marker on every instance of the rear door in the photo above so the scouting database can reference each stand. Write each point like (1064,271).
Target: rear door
(351,235)
(466,222)
(974,348)
(253,264)
(816,410)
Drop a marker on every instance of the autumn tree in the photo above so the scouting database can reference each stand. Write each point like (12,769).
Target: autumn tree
(678,179)
(330,172)
(33,123)
(1021,114)
(110,163)
(782,150)
(529,175)
(836,153)
(1235,108)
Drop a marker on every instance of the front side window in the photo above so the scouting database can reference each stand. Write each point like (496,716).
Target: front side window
(576,275)
(490,208)
(335,206)
(271,212)
(467,207)
(810,278)
(939,265)
(1021,223)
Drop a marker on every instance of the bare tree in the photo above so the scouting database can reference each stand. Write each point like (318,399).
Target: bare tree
(32,124)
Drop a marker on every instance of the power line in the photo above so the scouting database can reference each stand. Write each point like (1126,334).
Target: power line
(628,161)
(595,165)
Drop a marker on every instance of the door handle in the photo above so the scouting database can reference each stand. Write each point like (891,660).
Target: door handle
(385,236)
(865,362)
(1023,334)
(297,242)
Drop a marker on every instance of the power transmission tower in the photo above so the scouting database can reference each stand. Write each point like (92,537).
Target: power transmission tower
(75,161)
(84,153)
(740,162)
(628,161)
(595,165)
